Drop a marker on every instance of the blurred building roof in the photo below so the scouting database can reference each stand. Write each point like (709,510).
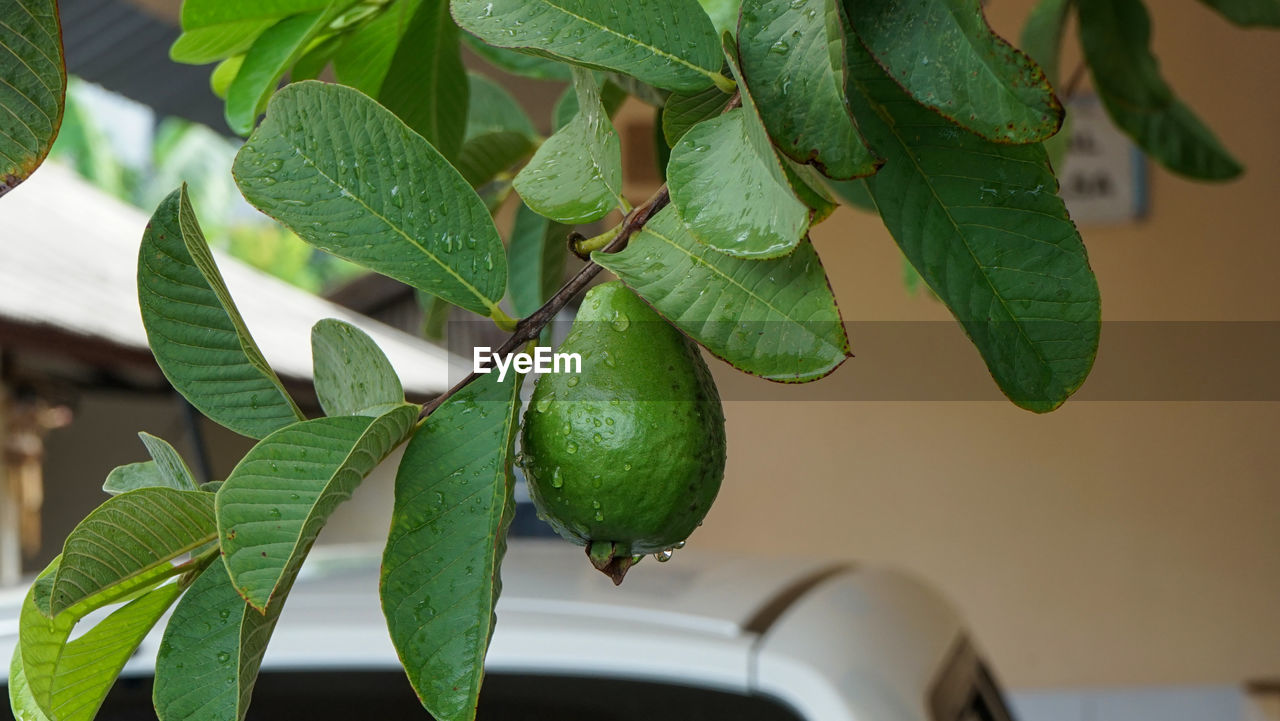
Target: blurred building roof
(68,260)
(124,46)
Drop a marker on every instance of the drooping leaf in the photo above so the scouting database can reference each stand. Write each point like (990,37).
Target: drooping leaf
(195,332)
(576,176)
(33,86)
(166,469)
(21,703)
(132,476)
(453,505)
(983,224)
(280,495)
(517,63)
(353,376)
(426,85)
(1042,35)
(68,680)
(946,57)
(611,97)
(352,179)
(809,186)
(130,536)
(498,135)
(793,62)
(671,44)
(773,318)
(211,651)
(661,150)
(1248,13)
(723,14)
(1042,40)
(685,110)
(364,53)
(1116,37)
(754,216)
(217,29)
(536,255)
(435,317)
(169,462)
(853,193)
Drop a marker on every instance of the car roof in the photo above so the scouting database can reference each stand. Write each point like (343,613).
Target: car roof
(549,592)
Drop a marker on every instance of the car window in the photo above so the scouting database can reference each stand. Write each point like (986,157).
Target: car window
(386,695)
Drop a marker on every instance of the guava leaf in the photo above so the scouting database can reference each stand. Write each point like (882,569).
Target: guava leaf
(33,86)
(1116,36)
(1248,13)
(364,54)
(723,14)
(270,55)
(498,133)
(426,85)
(352,179)
(217,29)
(685,110)
(132,476)
(453,505)
(1042,35)
(576,176)
(943,53)
(280,495)
(793,60)
(168,462)
(810,187)
(166,469)
(536,254)
(68,680)
(130,536)
(1042,40)
(352,375)
(755,215)
(611,97)
(854,194)
(195,332)
(518,63)
(21,703)
(773,318)
(984,226)
(211,651)
(670,44)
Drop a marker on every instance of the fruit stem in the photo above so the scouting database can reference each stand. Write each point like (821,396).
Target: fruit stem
(529,328)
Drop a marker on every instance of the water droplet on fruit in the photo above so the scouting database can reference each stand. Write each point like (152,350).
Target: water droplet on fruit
(557,479)
(663,556)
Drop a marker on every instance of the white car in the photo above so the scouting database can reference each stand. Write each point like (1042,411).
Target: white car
(702,638)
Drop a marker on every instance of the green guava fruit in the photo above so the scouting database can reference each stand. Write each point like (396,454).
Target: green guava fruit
(626,456)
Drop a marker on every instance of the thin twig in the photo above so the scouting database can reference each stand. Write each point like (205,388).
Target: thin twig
(529,328)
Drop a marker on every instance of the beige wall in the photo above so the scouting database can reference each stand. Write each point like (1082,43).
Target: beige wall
(1106,543)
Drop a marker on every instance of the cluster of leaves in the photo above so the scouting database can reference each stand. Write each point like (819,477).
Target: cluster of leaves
(767,108)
